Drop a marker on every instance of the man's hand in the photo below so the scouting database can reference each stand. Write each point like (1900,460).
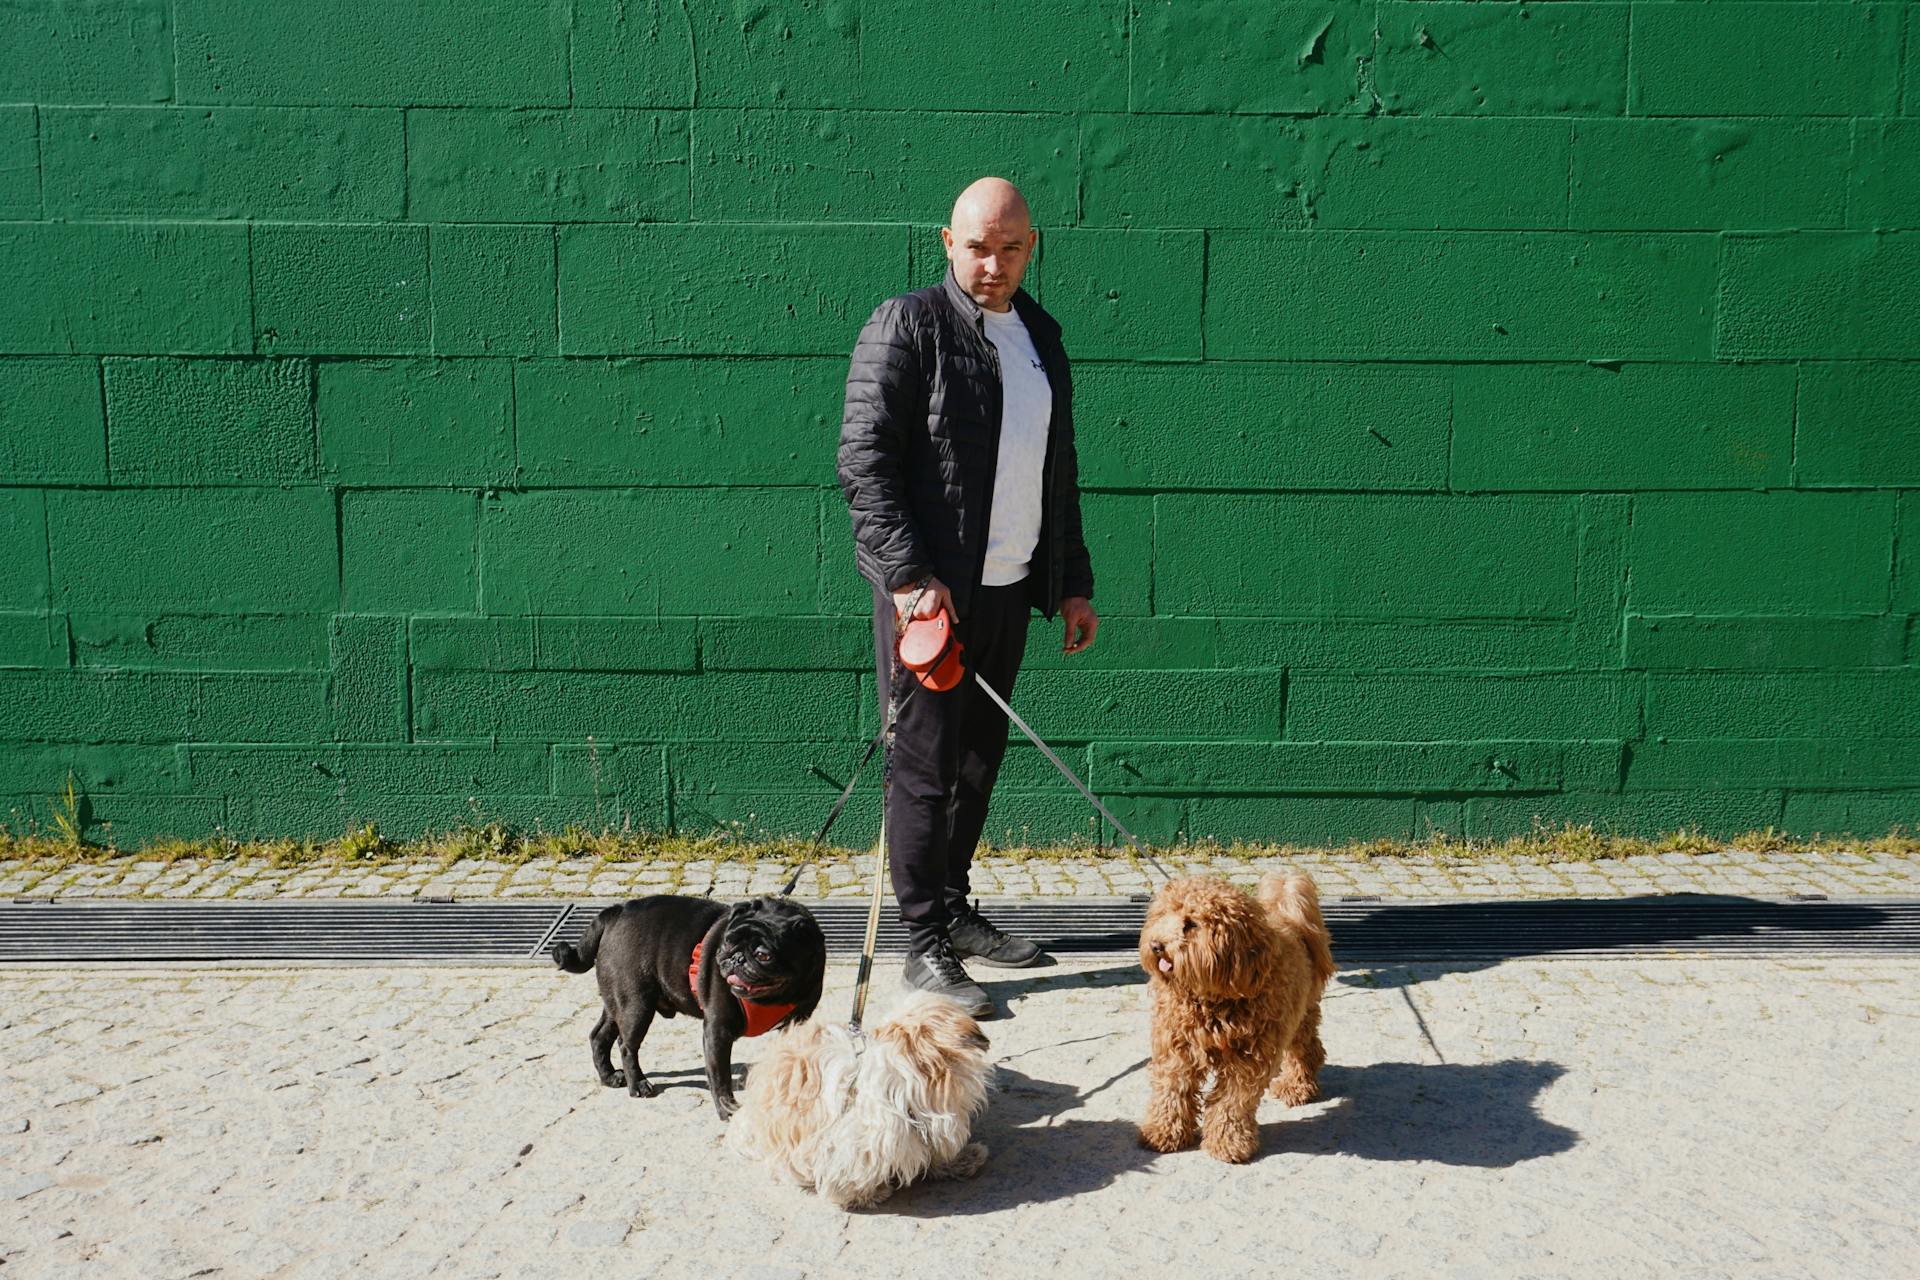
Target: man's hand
(1081,622)
(932,600)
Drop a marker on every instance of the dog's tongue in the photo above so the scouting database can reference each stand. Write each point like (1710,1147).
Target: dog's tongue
(1166,965)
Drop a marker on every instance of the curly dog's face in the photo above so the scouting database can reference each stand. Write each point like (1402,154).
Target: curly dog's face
(1199,935)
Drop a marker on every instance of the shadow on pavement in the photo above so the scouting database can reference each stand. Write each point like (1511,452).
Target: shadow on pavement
(1479,1115)
(1414,943)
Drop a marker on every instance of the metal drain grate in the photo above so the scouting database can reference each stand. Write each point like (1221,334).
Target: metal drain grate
(1364,933)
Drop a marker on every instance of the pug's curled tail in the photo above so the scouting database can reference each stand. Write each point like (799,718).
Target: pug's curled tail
(577,957)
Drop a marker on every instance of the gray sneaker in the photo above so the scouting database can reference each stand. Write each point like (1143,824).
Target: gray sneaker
(975,937)
(938,970)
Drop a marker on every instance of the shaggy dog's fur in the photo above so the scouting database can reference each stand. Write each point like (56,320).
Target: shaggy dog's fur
(854,1121)
(1236,986)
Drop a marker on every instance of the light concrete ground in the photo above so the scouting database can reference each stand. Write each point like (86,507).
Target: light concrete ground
(1834,872)
(1672,1117)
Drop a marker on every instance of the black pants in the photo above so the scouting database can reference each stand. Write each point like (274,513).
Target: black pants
(946,754)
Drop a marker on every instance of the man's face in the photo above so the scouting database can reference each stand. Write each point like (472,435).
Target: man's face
(989,255)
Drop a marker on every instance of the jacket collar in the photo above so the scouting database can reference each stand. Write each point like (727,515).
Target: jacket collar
(1031,313)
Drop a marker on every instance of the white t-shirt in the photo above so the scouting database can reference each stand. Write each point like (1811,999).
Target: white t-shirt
(1013,527)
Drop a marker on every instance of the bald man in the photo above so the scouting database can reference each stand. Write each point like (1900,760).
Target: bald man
(957,461)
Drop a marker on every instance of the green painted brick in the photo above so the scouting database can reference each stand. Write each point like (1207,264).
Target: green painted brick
(1864,813)
(1721,814)
(209,422)
(632,53)
(324,772)
(19,163)
(689,290)
(1502,60)
(1123,294)
(649,551)
(1119,535)
(1341,172)
(1906,566)
(615,644)
(1764,644)
(1708,175)
(52,423)
(543,706)
(103,51)
(1308,820)
(229,162)
(1761,553)
(1281,56)
(493,290)
(805,53)
(1278,768)
(1198,705)
(1859,425)
(416,422)
(165,707)
(409,550)
(133,821)
(470,644)
(1450,707)
(95,770)
(786,644)
(1764,59)
(200,642)
(193,551)
(671,421)
(867,166)
(1401,643)
(34,641)
(1262,426)
(1814,294)
(399,817)
(339,53)
(839,588)
(341,290)
(817,770)
(1131,643)
(617,772)
(1638,426)
(1360,555)
(1715,764)
(1600,580)
(1885,175)
(23,549)
(1458,296)
(1835,706)
(367,692)
(134,290)
(547,166)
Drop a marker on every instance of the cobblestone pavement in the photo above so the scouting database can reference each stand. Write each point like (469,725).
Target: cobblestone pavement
(1836,873)
(1662,1117)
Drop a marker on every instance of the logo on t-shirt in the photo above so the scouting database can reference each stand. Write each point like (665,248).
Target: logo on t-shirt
(1036,364)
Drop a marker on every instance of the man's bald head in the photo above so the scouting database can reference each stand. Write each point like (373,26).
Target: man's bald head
(990,241)
(991,200)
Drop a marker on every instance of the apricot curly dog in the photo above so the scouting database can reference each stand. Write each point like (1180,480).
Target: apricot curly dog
(1236,986)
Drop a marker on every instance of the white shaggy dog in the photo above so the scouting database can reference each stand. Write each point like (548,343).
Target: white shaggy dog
(854,1117)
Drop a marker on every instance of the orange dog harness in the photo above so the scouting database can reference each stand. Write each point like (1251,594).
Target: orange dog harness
(761,1018)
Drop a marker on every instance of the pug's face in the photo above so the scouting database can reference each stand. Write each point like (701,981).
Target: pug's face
(771,949)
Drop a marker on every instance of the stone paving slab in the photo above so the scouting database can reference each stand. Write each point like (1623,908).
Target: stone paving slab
(1834,873)
(1748,1118)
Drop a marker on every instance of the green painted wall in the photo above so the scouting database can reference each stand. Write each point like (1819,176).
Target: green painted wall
(1490,412)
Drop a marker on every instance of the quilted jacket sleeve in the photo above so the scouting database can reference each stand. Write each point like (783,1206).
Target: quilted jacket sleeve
(886,393)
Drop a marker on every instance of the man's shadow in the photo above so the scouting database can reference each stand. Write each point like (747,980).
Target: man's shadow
(1405,945)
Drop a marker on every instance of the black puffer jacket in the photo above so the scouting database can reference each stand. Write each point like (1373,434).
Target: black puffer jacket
(920,439)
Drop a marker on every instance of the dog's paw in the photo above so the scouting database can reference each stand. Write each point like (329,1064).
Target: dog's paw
(1294,1091)
(726,1107)
(1235,1144)
(615,1080)
(966,1162)
(644,1088)
(1165,1138)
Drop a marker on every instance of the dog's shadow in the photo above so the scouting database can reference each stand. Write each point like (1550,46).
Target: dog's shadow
(1477,1115)
(1005,991)
(1036,1157)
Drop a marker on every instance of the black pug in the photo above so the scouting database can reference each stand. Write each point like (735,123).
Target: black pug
(744,969)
